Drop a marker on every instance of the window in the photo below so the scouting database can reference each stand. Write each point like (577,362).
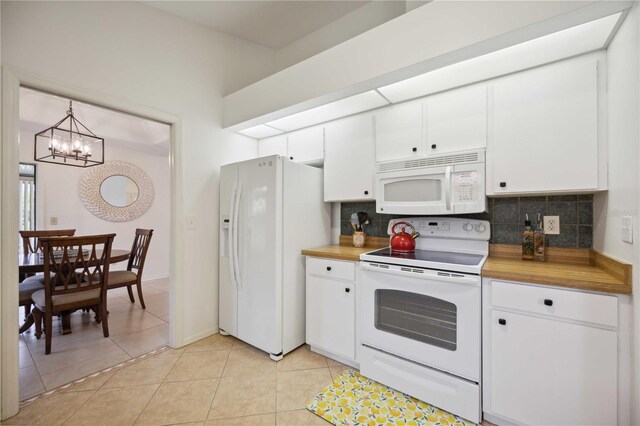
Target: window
(418,317)
(27,198)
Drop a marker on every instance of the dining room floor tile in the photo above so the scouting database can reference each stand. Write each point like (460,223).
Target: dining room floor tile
(218,380)
(132,332)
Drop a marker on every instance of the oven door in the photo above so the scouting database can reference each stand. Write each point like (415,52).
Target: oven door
(426,316)
(417,191)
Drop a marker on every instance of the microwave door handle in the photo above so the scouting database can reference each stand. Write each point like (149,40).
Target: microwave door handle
(447,188)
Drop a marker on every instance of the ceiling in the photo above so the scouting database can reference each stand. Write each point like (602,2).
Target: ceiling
(273,24)
(39,110)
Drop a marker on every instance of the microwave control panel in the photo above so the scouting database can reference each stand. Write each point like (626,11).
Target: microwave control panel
(465,186)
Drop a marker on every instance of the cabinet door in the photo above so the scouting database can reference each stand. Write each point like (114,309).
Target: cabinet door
(545,129)
(551,372)
(457,120)
(331,316)
(307,145)
(272,146)
(399,131)
(349,164)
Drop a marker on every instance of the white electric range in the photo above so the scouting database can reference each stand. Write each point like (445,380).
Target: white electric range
(421,314)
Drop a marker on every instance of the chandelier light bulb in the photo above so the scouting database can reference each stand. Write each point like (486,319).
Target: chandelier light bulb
(69,143)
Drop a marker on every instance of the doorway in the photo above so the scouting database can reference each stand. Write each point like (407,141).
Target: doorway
(132,183)
(9,157)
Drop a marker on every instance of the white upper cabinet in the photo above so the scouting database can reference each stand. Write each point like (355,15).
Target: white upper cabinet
(275,145)
(399,131)
(545,130)
(349,164)
(456,120)
(307,145)
(302,146)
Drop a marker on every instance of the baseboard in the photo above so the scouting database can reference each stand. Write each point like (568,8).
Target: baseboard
(496,420)
(153,278)
(343,360)
(192,339)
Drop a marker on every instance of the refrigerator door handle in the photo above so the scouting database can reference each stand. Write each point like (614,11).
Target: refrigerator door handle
(236,262)
(233,225)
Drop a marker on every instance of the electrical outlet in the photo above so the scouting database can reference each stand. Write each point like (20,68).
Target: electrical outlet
(53,220)
(552,225)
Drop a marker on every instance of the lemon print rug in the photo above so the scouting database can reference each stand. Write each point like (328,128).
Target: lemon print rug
(353,399)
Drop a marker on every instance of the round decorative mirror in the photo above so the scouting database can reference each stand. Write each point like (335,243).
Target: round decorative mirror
(116,191)
(119,191)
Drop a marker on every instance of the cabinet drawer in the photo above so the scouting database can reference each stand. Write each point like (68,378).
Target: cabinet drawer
(574,305)
(342,270)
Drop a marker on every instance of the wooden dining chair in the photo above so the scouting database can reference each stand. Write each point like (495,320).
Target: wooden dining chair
(31,239)
(81,268)
(130,277)
(30,283)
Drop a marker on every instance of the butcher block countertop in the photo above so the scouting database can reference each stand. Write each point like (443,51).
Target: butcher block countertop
(345,250)
(582,269)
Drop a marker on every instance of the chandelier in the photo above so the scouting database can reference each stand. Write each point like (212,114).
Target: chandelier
(70,143)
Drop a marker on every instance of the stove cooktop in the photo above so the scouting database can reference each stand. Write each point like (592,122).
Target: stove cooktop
(465,259)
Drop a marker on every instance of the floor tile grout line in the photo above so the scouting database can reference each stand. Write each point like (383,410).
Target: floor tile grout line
(156,391)
(215,394)
(81,405)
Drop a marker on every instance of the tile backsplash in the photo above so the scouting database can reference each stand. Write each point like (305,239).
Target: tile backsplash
(506,216)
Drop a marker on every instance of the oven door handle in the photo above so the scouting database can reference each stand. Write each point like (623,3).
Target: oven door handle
(450,277)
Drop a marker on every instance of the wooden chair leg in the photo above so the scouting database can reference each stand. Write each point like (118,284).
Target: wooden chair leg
(105,318)
(27,310)
(37,317)
(139,286)
(48,326)
(131,294)
(98,315)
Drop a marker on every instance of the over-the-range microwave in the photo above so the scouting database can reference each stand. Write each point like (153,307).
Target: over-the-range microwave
(444,184)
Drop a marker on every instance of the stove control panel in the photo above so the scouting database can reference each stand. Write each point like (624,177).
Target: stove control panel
(447,227)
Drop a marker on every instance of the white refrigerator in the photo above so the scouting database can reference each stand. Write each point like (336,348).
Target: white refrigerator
(270,209)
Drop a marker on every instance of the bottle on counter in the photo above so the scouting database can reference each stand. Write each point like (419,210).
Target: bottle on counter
(538,241)
(527,240)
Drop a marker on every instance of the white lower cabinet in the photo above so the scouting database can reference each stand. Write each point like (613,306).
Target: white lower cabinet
(540,367)
(331,308)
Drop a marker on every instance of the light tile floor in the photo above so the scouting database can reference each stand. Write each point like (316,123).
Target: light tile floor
(132,331)
(215,381)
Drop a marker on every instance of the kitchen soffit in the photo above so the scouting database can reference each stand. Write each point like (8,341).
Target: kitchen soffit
(344,107)
(587,37)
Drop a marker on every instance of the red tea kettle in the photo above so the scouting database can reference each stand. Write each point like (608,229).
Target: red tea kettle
(403,241)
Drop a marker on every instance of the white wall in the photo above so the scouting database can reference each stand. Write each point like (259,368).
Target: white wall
(360,20)
(130,51)
(623,197)
(57,196)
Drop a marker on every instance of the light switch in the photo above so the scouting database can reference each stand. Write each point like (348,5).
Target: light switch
(191,222)
(53,220)
(626,229)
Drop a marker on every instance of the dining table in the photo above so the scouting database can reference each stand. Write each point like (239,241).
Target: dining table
(33,263)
